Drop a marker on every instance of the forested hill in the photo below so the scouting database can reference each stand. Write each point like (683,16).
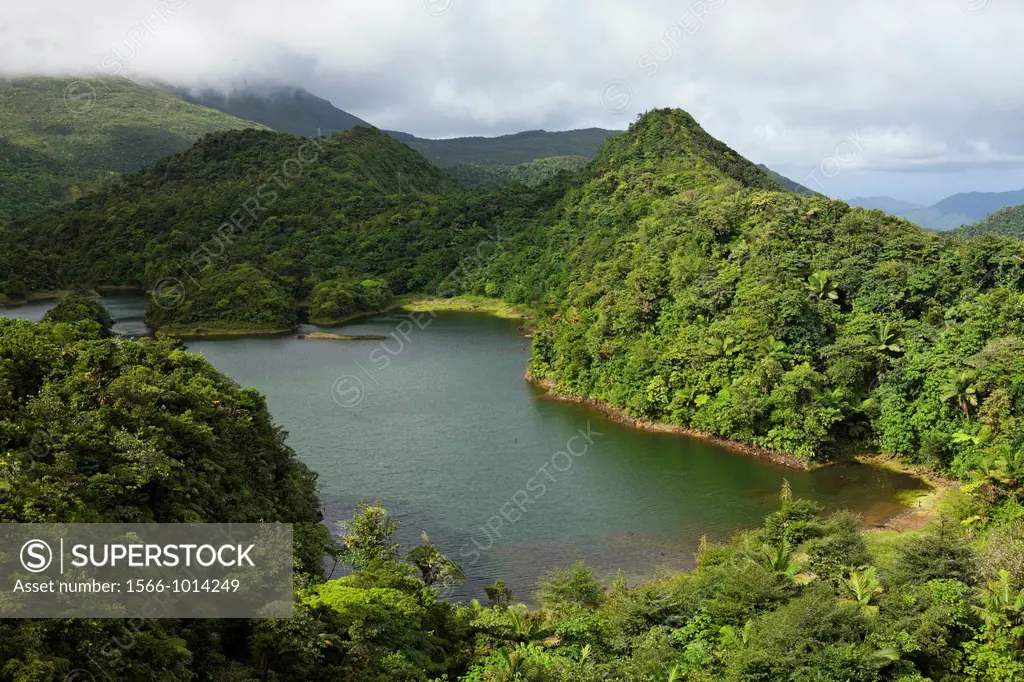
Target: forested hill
(1008,222)
(286,110)
(676,280)
(112,124)
(251,222)
(508,150)
(31,180)
(682,287)
(60,137)
(671,278)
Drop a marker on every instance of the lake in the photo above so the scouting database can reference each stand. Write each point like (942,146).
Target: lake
(437,423)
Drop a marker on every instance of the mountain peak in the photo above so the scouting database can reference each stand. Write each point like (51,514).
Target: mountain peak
(672,141)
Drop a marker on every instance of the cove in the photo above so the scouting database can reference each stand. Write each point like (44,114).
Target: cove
(450,438)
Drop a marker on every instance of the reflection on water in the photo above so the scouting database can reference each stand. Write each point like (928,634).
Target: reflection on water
(451,439)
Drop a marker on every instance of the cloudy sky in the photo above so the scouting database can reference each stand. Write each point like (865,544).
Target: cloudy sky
(916,99)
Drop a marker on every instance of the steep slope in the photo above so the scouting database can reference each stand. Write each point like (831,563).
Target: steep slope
(886,204)
(30,180)
(237,229)
(287,110)
(105,125)
(1008,222)
(490,178)
(681,286)
(508,150)
(789,185)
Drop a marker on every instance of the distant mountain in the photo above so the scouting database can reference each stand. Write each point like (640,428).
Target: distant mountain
(508,150)
(886,204)
(948,214)
(108,125)
(1008,222)
(978,205)
(790,185)
(934,218)
(287,110)
(481,162)
(60,136)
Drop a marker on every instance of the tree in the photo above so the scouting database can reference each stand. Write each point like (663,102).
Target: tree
(75,308)
(863,585)
(961,388)
(367,538)
(435,567)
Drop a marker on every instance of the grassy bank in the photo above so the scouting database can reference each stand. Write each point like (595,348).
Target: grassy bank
(462,304)
(38,296)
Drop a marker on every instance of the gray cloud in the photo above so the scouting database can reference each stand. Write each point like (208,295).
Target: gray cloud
(928,85)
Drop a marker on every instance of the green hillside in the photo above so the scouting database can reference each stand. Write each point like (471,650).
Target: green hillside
(362,205)
(62,136)
(508,150)
(1008,222)
(490,178)
(30,180)
(108,125)
(682,288)
(286,110)
(672,279)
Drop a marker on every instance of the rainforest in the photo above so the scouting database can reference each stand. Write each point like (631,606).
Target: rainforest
(669,282)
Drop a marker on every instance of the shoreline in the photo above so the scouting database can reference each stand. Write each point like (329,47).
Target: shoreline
(620,416)
(188,332)
(463,304)
(921,507)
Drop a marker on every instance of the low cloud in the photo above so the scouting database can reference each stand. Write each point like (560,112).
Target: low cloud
(782,82)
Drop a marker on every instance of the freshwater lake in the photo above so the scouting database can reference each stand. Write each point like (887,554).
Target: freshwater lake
(448,436)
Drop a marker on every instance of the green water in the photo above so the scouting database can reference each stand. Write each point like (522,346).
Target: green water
(451,439)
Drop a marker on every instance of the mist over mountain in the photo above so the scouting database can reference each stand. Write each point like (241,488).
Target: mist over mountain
(285,109)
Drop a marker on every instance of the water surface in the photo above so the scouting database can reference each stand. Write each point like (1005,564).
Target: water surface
(438,424)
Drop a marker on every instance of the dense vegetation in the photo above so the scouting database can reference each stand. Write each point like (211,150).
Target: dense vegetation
(62,136)
(226,236)
(336,300)
(1008,222)
(75,308)
(671,278)
(490,178)
(679,286)
(508,150)
(30,181)
(286,110)
(96,429)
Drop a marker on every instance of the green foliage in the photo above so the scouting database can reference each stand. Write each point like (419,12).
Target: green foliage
(490,178)
(574,587)
(31,181)
(672,279)
(245,224)
(76,308)
(240,297)
(112,124)
(336,300)
(508,150)
(61,137)
(1008,222)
